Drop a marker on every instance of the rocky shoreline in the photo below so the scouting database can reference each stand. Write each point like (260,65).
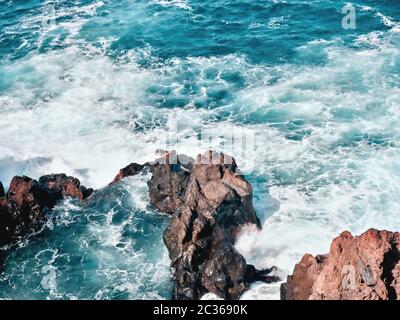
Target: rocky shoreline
(209,201)
(207,198)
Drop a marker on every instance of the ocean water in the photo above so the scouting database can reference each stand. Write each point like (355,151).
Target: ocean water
(87,87)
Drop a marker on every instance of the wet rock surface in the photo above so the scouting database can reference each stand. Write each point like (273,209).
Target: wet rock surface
(210,201)
(23,209)
(365,267)
(169,182)
(59,186)
(130,170)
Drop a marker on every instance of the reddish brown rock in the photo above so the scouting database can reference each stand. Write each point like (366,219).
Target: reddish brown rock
(366,267)
(24,207)
(23,200)
(299,285)
(58,186)
(130,170)
(5,222)
(4,233)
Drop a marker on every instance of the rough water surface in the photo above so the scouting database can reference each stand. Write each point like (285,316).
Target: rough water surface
(86,87)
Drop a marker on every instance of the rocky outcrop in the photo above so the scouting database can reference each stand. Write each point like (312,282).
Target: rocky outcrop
(130,170)
(216,204)
(365,267)
(24,207)
(4,222)
(299,285)
(24,210)
(210,201)
(58,186)
(168,183)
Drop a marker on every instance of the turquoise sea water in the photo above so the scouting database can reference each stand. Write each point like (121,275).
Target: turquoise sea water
(87,87)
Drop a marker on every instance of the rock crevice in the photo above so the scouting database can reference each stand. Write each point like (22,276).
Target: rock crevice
(390,260)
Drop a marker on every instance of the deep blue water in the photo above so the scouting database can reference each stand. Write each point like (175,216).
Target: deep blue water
(87,87)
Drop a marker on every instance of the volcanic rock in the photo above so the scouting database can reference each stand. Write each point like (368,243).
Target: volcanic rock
(299,285)
(210,201)
(130,170)
(24,207)
(365,267)
(58,186)
(23,201)
(169,182)
(5,223)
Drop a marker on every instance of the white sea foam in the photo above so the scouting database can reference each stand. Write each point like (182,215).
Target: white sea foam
(88,107)
(52,19)
(276,22)
(181,4)
(210,296)
(330,184)
(83,113)
(386,20)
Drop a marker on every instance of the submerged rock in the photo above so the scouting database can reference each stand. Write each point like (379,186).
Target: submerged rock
(210,201)
(365,267)
(24,207)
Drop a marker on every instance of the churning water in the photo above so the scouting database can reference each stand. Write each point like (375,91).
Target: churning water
(86,87)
